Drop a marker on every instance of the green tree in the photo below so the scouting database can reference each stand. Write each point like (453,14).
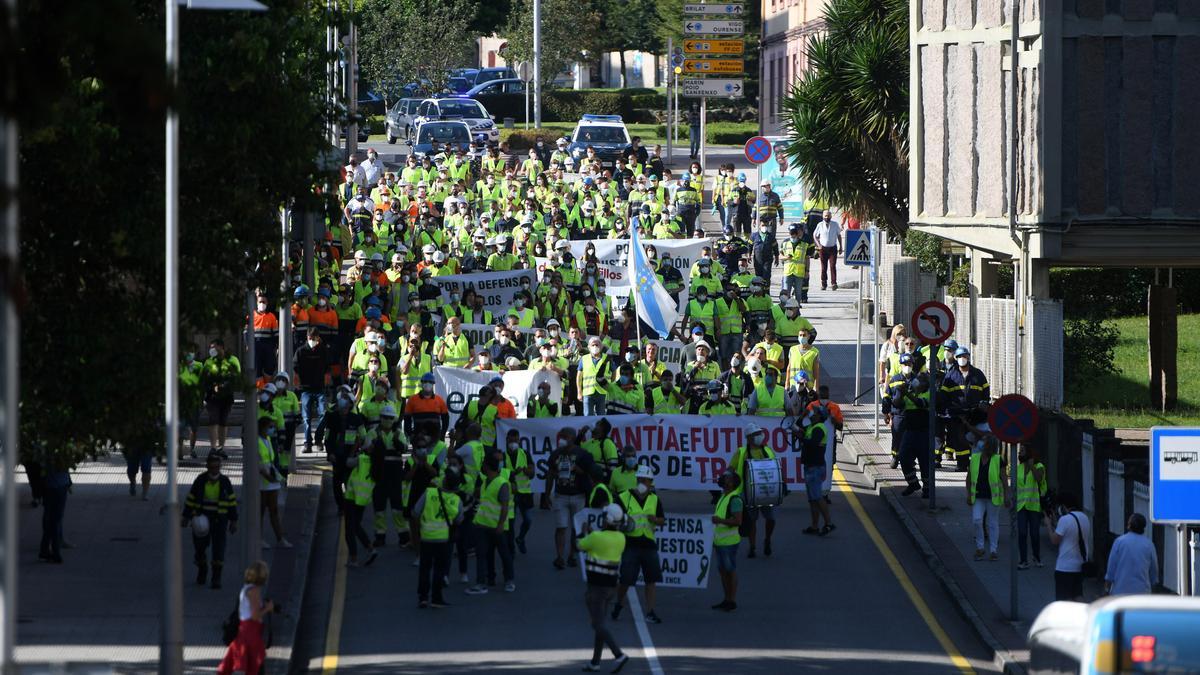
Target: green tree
(848,116)
(629,25)
(568,28)
(252,116)
(403,41)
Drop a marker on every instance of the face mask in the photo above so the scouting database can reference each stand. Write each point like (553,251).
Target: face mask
(587,293)
(963,361)
(667,385)
(374,367)
(503,339)
(281,387)
(594,349)
(416,304)
(270,431)
(562,443)
(372,347)
(641,488)
(554,291)
(624,379)
(519,303)
(702,297)
(427,388)
(454,297)
(906,370)
(262,306)
(264,397)
(734,363)
(630,358)
(404,278)
(212,353)
(322,302)
(714,397)
(553,332)
(484,358)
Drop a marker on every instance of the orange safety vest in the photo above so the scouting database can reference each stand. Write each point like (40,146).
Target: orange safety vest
(266,325)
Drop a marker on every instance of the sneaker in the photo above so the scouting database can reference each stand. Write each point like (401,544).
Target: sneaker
(265,545)
(1038,563)
(895,462)
(509,587)
(132,490)
(559,563)
(1023,566)
(573,561)
(477,589)
(752,554)
(284,543)
(616,613)
(767,548)
(424,604)
(591,667)
(353,562)
(730,606)
(993,556)
(620,662)
(978,554)
(416,563)
(521,545)
(439,604)
(720,605)
(465,579)
(653,618)
(912,487)
(370,557)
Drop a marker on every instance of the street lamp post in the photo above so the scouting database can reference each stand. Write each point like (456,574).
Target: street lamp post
(171,641)
(537,64)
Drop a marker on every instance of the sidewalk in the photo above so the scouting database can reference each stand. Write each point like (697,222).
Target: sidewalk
(100,610)
(945,535)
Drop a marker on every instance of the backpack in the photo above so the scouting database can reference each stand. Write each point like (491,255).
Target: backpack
(230,626)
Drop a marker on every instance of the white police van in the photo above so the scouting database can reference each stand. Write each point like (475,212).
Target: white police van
(606,134)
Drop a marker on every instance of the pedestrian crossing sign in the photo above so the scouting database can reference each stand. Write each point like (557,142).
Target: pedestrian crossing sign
(858,248)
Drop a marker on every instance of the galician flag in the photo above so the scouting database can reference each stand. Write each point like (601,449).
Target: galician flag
(654,304)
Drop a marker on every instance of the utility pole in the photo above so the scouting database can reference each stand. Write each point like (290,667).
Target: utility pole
(537,64)
(252,524)
(352,76)
(10,352)
(285,309)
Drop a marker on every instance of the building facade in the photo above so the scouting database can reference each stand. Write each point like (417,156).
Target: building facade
(787,26)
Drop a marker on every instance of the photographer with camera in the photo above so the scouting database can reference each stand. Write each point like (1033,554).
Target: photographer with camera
(909,397)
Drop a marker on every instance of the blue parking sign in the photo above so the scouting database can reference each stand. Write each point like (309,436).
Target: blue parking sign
(1175,475)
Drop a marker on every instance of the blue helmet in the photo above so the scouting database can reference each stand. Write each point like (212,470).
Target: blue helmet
(427,377)
(906,359)
(324,292)
(374,301)
(301,291)
(588,181)
(742,177)
(801,376)
(950,345)
(373,313)
(962,351)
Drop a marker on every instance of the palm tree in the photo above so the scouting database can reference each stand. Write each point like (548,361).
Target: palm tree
(848,115)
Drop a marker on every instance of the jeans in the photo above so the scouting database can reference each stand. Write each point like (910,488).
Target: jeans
(981,509)
(593,404)
(829,257)
(1029,524)
(308,401)
(913,447)
(218,529)
(487,544)
(688,214)
(598,600)
(694,136)
(434,566)
(797,286)
(524,503)
(54,505)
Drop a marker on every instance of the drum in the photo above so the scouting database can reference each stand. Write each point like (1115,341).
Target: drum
(764,483)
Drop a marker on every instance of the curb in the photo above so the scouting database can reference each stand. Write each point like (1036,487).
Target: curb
(287,624)
(1001,656)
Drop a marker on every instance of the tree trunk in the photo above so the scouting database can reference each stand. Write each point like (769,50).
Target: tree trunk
(622,54)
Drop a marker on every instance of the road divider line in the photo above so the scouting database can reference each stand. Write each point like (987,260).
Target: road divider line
(643,631)
(893,564)
(333,632)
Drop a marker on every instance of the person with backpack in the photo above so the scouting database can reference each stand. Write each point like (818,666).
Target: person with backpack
(1070,534)
(247,652)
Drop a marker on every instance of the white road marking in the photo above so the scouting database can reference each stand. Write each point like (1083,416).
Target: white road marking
(648,650)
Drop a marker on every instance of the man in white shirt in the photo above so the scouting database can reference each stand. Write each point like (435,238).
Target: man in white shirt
(1071,535)
(1133,562)
(372,167)
(828,238)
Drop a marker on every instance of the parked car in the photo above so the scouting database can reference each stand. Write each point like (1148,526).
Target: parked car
(399,120)
(370,103)
(508,85)
(458,85)
(604,133)
(489,74)
(445,132)
(469,110)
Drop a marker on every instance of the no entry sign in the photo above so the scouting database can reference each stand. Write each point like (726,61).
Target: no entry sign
(933,322)
(1013,418)
(758,150)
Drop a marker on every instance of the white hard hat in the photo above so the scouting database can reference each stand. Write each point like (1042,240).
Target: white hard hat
(360,255)
(791,303)
(613,515)
(644,471)
(270,388)
(480,233)
(562,141)
(389,412)
(200,525)
(752,429)
(562,243)
(588,205)
(512,362)
(428,248)
(396,257)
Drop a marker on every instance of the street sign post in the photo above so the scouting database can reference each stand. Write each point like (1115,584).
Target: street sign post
(858,248)
(933,322)
(698,27)
(677,60)
(714,9)
(714,47)
(1014,420)
(695,87)
(713,67)
(1174,484)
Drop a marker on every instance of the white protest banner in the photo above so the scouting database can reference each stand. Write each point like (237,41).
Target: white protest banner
(684,548)
(458,386)
(613,255)
(687,452)
(670,354)
(496,288)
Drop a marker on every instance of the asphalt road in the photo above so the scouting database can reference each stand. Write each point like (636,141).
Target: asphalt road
(831,604)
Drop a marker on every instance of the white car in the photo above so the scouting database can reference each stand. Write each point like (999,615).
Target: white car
(483,127)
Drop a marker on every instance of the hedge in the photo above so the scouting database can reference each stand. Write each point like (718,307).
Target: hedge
(1108,293)
(718,133)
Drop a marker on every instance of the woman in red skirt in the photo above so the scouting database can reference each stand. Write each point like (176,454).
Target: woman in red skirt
(247,652)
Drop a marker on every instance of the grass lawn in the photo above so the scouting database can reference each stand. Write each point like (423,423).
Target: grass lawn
(1121,399)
